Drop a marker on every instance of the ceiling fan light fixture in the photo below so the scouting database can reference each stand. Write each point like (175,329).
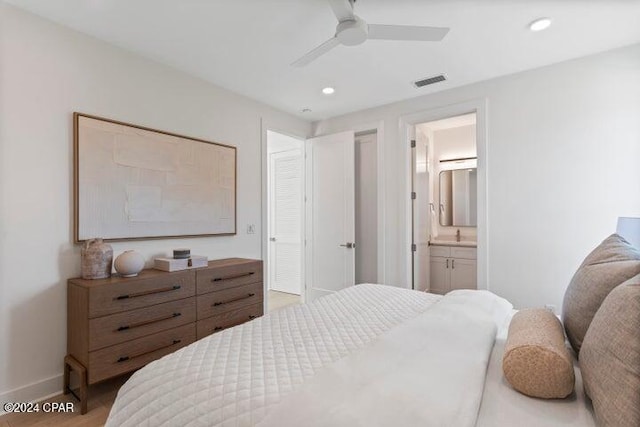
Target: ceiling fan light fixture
(352,32)
(328,90)
(540,24)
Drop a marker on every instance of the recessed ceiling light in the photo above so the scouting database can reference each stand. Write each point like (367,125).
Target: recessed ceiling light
(328,90)
(540,24)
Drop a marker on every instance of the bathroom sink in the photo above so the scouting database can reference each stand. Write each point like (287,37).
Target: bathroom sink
(453,242)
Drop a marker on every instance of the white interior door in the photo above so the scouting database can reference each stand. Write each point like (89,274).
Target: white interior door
(285,221)
(330,214)
(421,211)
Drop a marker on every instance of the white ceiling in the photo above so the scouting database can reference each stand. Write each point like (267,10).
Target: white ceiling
(247,45)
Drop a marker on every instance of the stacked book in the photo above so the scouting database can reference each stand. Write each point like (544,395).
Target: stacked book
(182,260)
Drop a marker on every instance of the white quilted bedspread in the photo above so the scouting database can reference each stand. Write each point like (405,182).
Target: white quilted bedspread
(233,378)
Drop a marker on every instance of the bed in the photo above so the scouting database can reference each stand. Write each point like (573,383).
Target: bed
(502,405)
(368,355)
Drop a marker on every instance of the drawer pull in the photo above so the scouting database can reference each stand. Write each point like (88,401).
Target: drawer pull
(151,292)
(219,328)
(125,358)
(217,303)
(218,279)
(147,322)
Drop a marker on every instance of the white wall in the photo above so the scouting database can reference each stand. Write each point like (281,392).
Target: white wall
(563,150)
(47,72)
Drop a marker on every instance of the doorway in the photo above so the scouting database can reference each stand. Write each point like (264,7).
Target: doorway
(366,207)
(285,211)
(444,204)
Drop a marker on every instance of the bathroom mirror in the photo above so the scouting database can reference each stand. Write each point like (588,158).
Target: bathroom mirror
(458,197)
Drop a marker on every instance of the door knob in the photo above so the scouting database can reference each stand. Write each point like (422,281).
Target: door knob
(272,239)
(349,245)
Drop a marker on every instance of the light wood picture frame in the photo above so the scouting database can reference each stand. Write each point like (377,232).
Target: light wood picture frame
(132,183)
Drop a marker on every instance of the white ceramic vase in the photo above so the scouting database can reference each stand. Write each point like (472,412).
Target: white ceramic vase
(129,263)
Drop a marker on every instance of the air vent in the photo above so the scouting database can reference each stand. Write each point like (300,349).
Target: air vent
(429,81)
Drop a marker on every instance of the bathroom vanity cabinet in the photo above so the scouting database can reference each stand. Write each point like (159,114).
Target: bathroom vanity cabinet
(453,267)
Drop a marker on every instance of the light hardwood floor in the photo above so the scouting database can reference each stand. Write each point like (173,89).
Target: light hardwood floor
(101,398)
(102,395)
(276,300)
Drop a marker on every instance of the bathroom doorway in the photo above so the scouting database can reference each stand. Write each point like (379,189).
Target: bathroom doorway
(444,204)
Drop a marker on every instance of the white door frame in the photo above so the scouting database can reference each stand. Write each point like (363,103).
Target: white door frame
(264,223)
(378,127)
(480,107)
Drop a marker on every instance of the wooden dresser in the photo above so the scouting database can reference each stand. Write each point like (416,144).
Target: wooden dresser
(118,325)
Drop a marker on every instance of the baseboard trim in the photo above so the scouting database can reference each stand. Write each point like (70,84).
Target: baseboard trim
(34,392)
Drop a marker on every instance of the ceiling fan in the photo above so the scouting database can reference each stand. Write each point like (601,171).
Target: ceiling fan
(353,30)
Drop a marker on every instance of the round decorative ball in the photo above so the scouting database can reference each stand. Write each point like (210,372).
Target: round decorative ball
(129,263)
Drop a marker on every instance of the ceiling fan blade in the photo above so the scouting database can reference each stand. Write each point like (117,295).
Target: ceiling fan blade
(406,32)
(316,53)
(343,9)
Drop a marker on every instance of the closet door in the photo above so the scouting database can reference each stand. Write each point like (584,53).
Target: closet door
(285,217)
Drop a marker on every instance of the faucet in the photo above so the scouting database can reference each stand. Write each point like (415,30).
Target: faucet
(458,235)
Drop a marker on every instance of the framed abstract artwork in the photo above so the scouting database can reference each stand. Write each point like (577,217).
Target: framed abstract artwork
(133,182)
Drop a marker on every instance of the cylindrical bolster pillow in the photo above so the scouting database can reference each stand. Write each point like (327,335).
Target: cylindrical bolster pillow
(536,361)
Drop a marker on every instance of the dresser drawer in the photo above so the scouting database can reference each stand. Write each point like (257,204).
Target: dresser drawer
(226,320)
(230,299)
(126,357)
(121,327)
(128,295)
(228,276)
